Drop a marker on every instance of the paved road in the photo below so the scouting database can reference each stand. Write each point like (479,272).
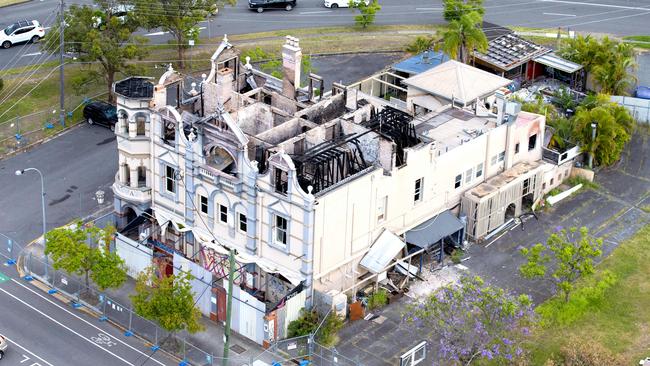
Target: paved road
(75,166)
(621,17)
(45,332)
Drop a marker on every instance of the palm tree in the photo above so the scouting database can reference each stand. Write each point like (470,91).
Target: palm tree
(463,36)
(613,76)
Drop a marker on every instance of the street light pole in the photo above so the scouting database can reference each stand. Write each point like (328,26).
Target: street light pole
(21,172)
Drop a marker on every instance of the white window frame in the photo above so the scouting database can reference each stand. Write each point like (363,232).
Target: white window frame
(458,181)
(502,156)
(418,190)
(203,204)
(241,216)
(278,230)
(381,208)
(171,179)
(493,161)
(223,210)
(469,175)
(479,170)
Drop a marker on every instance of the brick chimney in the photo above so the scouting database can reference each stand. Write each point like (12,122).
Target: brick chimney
(291,64)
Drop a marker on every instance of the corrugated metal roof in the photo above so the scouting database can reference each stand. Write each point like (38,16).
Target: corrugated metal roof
(383,250)
(434,229)
(510,51)
(558,63)
(421,63)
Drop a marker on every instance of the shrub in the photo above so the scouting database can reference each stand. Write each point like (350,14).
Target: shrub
(378,299)
(329,333)
(587,353)
(420,44)
(304,325)
(575,180)
(456,256)
(308,322)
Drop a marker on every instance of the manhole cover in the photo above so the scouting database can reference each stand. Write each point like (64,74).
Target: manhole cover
(238,349)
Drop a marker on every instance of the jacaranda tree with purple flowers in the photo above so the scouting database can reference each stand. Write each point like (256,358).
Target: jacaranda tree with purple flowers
(474,322)
(571,252)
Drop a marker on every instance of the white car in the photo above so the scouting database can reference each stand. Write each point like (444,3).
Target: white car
(20,32)
(3,346)
(340,3)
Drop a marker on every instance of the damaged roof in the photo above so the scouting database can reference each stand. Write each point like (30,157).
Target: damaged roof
(510,51)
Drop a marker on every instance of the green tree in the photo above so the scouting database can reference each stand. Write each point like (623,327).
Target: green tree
(308,322)
(168,301)
(454,9)
(609,62)
(566,256)
(367,11)
(98,37)
(180,18)
(614,126)
(420,44)
(69,251)
(463,36)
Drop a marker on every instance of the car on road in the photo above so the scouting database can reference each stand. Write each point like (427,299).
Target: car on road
(101,113)
(261,5)
(21,32)
(341,3)
(3,346)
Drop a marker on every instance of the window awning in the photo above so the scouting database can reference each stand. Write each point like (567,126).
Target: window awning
(434,229)
(382,251)
(558,63)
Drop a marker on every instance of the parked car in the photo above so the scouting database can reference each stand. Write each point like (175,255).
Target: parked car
(341,3)
(21,32)
(101,113)
(3,346)
(260,5)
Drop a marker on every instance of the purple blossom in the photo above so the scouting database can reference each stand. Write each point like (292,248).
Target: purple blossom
(506,341)
(508,357)
(487,354)
(558,228)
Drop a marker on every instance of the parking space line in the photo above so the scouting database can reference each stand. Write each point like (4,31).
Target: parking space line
(67,328)
(26,350)
(85,321)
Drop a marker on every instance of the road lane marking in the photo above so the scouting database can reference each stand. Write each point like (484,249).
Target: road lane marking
(28,351)
(32,54)
(162,33)
(595,4)
(85,321)
(316,12)
(561,15)
(68,328)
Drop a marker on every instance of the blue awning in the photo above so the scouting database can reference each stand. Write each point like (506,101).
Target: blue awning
(435,229)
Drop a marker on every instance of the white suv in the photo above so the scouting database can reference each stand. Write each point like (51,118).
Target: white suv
(341,3)
(3,346)
(22,31)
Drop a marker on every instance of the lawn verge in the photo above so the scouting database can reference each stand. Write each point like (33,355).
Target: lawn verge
(610,309)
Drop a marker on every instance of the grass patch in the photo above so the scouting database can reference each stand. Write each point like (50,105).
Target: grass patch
(637,38)
(574,181)
(610,309)
(11,2)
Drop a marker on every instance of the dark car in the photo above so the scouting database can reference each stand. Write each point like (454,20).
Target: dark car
(260,5)
(101,113)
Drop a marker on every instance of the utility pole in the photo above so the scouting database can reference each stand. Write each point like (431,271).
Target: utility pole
(61,69)
(226,335)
